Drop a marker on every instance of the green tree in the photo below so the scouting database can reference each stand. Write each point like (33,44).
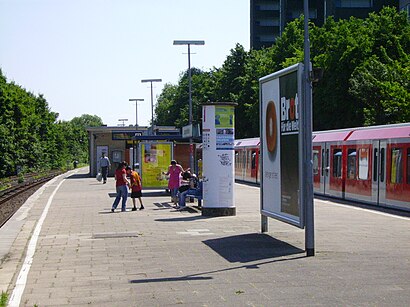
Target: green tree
(31,138)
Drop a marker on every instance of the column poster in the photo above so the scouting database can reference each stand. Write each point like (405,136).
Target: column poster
(224,125)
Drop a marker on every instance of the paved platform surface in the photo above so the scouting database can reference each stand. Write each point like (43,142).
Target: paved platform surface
(87,256)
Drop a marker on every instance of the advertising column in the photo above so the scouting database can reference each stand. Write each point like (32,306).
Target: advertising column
(218,135)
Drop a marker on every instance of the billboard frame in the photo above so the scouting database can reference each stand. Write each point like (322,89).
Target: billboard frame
(160,169)
(298,221)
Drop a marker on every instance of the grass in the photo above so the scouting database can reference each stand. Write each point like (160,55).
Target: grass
(3,299)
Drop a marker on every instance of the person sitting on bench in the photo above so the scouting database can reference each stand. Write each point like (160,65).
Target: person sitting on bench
(189,181)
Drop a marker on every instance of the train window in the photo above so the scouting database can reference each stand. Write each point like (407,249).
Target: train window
(323,161)
(396,175)
(375,161)
(253,163)
(363,163)
(382,165)
(408,166)
(327,160)
(236,159)
(337,163)
(315,162)
(351,164)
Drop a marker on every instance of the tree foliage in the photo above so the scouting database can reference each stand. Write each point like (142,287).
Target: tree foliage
(364,62)
(31,138)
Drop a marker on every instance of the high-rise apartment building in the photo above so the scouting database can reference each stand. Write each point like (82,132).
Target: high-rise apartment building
(269,17)
(405,6)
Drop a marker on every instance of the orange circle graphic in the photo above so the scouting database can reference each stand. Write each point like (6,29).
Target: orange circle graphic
(271,126)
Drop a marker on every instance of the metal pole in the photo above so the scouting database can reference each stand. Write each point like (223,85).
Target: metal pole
(136,115)
(152,101)
(308,169)
(152,110)
(189,43)
(191,154)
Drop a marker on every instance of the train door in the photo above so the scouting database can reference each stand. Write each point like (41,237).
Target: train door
(335,180)
(248,165)
(316,168)
(379,173)
(324,182)
(258,166)
(254,170)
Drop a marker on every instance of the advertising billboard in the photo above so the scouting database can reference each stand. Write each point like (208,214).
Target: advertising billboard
(281,139)
(154,160)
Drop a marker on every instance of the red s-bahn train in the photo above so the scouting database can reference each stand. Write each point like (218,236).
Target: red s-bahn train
(368,164)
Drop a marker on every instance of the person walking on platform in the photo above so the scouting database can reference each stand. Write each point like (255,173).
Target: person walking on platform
(121,184)
(174,171)
(105,164)
(136,187)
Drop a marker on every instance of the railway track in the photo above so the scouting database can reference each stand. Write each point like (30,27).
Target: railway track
(13,197)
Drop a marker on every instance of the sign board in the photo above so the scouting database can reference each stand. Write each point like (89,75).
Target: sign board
(187,131)
(125,135)
(281,145)
(155,158)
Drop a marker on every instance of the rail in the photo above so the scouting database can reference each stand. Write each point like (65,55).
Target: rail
(15,188)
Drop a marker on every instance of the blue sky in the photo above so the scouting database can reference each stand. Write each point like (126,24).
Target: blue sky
(89,56)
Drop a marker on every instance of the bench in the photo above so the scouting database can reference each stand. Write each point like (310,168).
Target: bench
(196,193)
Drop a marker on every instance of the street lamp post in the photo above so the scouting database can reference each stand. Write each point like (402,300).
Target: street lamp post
(134,158)
(136,110)
(307,151)
(152,101)
(189,43)
(123,120)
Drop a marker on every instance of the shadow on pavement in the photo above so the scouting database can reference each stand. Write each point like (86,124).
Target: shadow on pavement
(144,194)
(199,277)
(78,176)
(165,279)
(251,247)
(185,219)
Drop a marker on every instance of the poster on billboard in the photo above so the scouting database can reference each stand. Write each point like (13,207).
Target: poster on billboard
(154,160)
(281,139)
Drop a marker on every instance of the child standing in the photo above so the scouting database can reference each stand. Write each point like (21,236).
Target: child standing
(135,187)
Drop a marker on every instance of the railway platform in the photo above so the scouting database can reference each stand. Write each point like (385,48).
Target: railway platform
(65,247)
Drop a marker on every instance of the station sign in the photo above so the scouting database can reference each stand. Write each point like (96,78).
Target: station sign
(187,131)
(125,135)
(281,145)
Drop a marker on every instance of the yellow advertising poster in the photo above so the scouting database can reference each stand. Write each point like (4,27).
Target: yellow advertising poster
(155,159)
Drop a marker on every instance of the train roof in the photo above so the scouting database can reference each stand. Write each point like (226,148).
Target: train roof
(330,136)
(394,131)
(380,133)
(251,142)
(363,133)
